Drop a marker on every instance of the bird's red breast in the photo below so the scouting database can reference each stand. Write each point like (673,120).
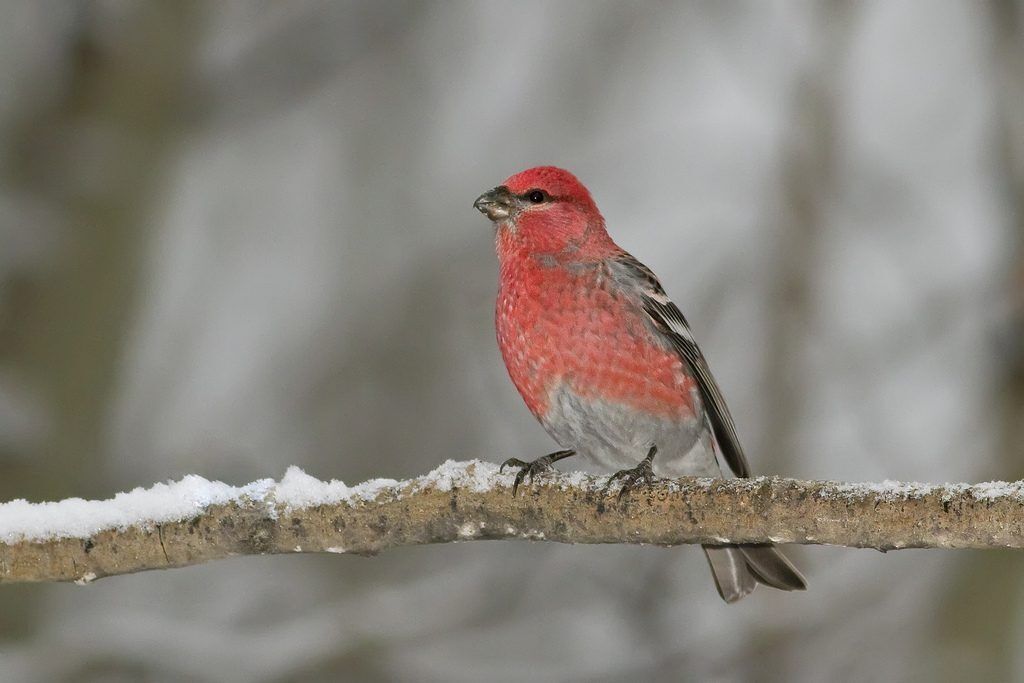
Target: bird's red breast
(562,322)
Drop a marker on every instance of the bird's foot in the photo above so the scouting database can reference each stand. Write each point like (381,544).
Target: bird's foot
(633,478)
(532,468)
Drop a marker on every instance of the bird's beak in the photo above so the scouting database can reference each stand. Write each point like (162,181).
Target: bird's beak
(495,204)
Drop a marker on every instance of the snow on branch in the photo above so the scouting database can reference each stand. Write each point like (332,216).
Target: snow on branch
(194,520)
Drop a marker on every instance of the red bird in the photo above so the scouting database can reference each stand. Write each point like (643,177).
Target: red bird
(606,361)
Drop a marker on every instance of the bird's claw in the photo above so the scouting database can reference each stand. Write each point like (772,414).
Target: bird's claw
(533,468)
(635,476)
(526,469)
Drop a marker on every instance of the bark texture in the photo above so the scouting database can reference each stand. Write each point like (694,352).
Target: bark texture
(473,502)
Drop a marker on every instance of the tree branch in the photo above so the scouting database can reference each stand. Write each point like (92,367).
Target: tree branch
(195,521)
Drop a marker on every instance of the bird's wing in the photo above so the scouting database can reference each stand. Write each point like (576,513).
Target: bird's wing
(669,321)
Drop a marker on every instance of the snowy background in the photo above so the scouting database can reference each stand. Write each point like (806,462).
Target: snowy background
(237,236)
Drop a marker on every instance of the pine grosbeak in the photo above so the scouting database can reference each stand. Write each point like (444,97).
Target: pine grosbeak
(606,361)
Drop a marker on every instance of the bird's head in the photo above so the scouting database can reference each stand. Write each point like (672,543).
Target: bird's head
(545,210)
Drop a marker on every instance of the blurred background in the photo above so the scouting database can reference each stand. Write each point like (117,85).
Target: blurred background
(238,235)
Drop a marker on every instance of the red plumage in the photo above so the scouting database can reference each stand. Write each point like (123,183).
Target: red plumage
(559,325)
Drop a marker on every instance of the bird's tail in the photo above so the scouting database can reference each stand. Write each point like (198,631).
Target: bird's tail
(739,568)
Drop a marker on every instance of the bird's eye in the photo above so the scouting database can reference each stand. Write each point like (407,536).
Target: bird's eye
(535,196)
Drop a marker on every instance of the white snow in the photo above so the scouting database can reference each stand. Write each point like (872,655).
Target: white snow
(468,530)
(895,490)
(990,490)
(474,475)
(78,518)
(298,490)
(189,497)
(886,490)
(86,579)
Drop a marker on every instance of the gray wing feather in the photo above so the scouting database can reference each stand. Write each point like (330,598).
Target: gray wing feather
(669,320)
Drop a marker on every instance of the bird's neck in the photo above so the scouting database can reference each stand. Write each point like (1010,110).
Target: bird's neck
(523,248)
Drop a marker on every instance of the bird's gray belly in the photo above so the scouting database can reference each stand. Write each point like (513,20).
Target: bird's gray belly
(616,436)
